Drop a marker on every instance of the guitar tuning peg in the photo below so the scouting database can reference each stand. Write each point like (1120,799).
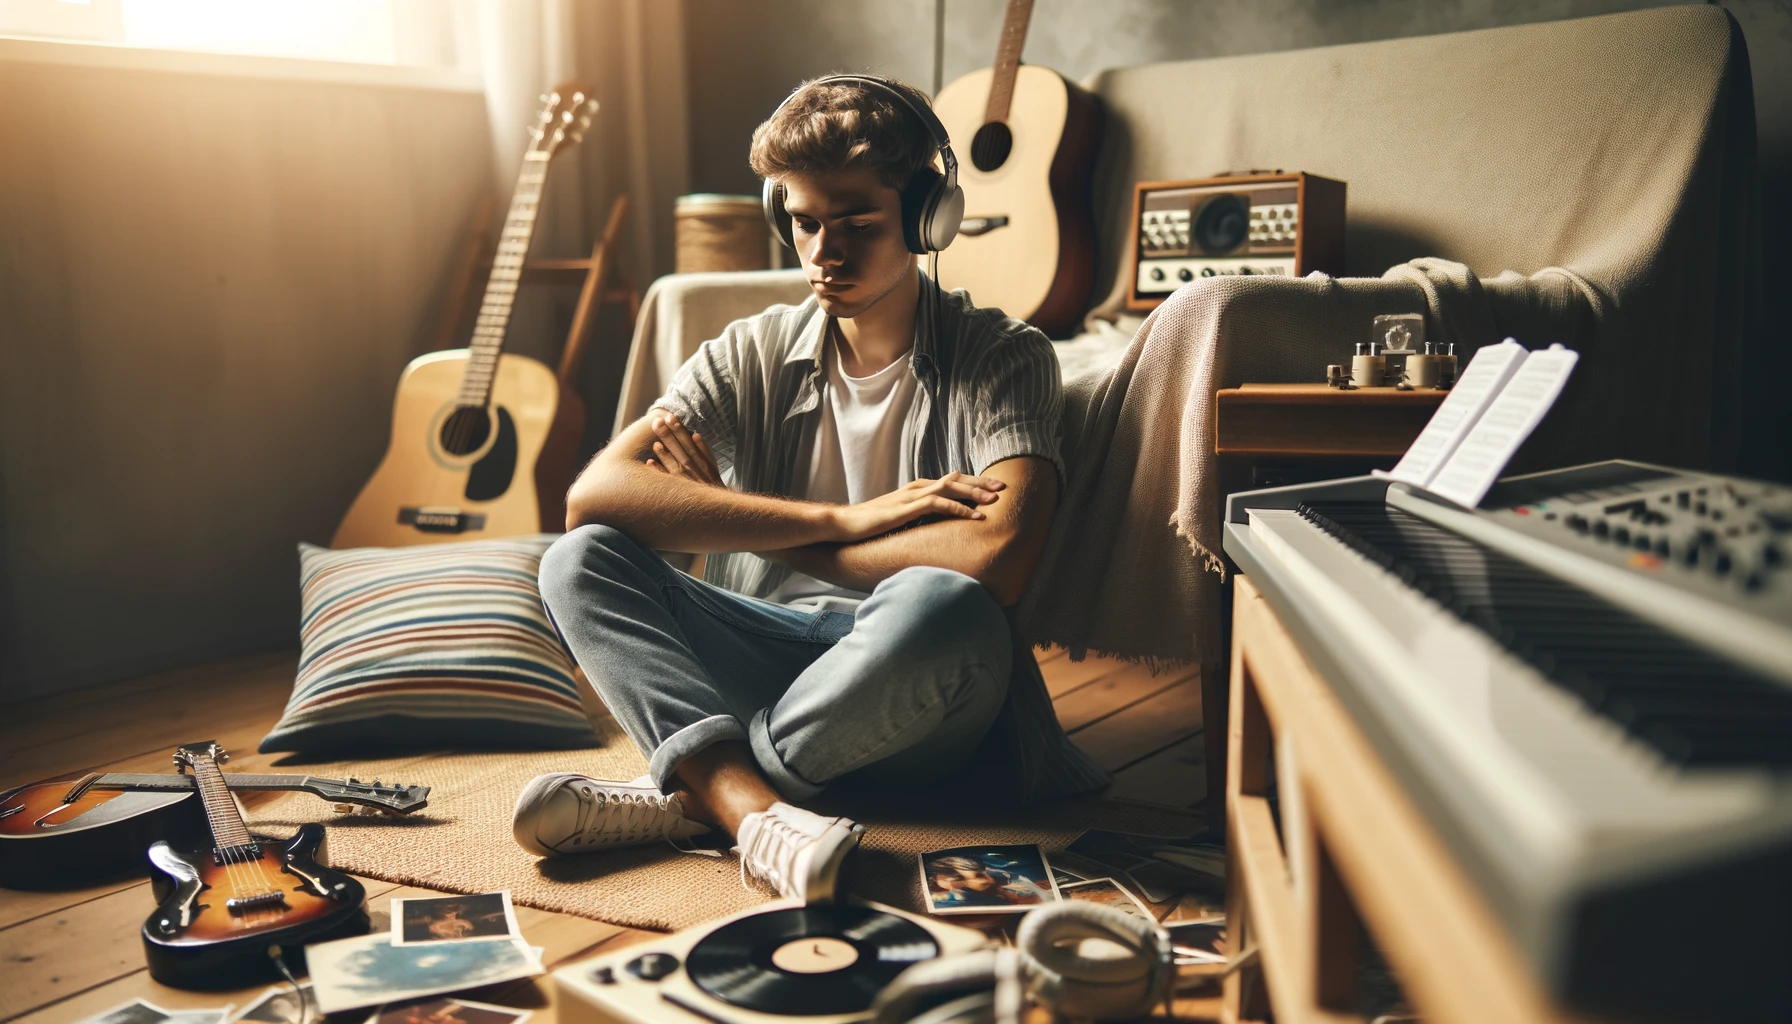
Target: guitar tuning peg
(543,98)
(343,808)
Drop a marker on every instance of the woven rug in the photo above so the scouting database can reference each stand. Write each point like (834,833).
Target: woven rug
(461,842)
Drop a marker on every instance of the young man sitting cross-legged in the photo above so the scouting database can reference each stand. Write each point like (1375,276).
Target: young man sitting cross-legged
(872,475)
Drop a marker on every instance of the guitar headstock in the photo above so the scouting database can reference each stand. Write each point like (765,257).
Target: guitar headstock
(395,798)
(565,114)
(189,754)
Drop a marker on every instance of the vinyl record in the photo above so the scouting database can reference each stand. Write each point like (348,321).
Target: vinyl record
(807,961)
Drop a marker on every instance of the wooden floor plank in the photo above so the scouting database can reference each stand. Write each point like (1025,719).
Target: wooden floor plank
(1152,724)
(1111,694)
(1175,776)
(1045,655)
(89,946)
(254,700)
(66,714)
(1063,676)
(185,696)
(17,906)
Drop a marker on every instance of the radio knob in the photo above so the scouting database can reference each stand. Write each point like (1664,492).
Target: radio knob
(652,966)
(1206,271)
(1186,274)
(1157,273)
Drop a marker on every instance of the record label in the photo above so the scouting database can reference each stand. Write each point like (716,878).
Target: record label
(814,956)
(805,961)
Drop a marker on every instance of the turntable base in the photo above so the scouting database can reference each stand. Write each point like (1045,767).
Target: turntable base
(771,963)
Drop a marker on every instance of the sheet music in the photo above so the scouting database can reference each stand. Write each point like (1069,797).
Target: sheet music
(1493,440)
(1468,399)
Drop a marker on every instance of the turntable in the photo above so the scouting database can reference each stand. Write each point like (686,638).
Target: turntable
(821,963)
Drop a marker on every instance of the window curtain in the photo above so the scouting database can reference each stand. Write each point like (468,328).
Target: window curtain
(633,53)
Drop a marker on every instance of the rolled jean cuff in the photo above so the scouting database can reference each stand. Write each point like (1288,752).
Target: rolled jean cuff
(790,785)
(689,740)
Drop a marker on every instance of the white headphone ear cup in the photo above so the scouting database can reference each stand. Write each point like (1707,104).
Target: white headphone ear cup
(945,213)
(771,203)
(930,983)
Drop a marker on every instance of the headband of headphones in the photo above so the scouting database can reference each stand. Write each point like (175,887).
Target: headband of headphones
(921,110)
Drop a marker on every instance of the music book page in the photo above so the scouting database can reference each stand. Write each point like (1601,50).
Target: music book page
(1468,399)
(1493,440)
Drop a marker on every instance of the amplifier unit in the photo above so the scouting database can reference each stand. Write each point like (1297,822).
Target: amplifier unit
(1270,223)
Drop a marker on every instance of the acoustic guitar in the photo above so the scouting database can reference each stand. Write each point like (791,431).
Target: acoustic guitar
(84,828)
(483,442)
(221,905)
(1027,245)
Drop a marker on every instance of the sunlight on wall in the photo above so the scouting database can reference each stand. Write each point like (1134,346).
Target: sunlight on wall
(354,30)
(406,32)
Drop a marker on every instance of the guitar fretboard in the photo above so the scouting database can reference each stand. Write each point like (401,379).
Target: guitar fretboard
(1014,38)
(228,829)
(500,290)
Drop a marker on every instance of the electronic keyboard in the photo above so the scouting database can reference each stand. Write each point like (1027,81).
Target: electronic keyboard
(1586,685)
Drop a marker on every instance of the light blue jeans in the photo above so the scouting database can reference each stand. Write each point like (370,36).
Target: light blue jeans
(903,691)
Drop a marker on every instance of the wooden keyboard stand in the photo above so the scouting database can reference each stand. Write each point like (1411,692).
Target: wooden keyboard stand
(1352,856)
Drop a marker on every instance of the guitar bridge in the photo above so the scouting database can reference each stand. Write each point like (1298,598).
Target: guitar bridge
(259,901)
(438,519)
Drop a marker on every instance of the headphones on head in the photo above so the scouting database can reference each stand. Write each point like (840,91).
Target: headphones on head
(932,203)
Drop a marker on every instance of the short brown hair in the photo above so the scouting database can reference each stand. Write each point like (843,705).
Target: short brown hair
(838,126)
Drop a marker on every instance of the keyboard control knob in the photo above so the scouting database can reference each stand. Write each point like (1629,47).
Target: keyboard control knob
(1186,274)
(1600,529)
(1157,273)
(1621,535)
(1641,542)
(1722,563)
(1577,523)
(1772,556)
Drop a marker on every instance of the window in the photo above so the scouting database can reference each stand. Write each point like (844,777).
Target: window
(409,32)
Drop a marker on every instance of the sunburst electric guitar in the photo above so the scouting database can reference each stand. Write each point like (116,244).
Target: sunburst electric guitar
(483,443)
(220,906)
(1027,244)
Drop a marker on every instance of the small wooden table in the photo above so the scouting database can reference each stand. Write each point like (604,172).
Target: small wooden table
(1309,421)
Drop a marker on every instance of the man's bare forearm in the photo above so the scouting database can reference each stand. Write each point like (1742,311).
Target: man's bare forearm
(967,547)
(675,514)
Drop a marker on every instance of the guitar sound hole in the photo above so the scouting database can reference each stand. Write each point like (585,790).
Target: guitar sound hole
(991,145)
(465,429)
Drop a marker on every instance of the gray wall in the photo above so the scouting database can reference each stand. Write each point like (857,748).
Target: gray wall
(208,287)
(744,58)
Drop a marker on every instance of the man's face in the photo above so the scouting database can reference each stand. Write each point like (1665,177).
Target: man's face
(847,226)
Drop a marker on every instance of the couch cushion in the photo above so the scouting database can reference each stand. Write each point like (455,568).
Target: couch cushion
(438,645)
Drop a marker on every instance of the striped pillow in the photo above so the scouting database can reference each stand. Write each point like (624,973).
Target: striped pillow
(436,645)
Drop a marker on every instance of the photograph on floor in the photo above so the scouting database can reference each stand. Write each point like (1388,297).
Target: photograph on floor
(486,915)
(987,879)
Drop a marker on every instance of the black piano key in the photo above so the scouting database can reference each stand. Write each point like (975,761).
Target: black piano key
(1692,706)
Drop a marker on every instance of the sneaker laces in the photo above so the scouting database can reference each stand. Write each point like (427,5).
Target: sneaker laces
(625,816)
(784,840)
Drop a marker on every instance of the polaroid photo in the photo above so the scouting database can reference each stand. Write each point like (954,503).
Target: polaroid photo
(1199,942)
(987,879)
(1108,892)
(368,970)
(443,1010)
(137,1011)
(486,915)
(280,1005)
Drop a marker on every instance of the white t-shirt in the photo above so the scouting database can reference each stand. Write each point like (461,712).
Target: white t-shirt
(853,453)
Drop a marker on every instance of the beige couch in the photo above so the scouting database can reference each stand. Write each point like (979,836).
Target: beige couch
(1619,149)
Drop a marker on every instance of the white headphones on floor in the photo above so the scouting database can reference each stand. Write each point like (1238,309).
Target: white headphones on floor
(1049,964)
(932,202)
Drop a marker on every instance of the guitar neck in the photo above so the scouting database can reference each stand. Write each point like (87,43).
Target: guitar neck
(228,830)
(500,289)
(184,783)
(1014,37)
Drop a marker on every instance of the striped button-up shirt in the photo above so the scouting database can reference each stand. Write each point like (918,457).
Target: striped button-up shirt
(987,389)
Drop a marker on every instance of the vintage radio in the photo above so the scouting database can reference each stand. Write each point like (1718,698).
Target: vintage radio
(1258,223)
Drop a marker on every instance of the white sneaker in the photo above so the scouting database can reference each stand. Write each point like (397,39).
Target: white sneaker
(564,812)
(797,852)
